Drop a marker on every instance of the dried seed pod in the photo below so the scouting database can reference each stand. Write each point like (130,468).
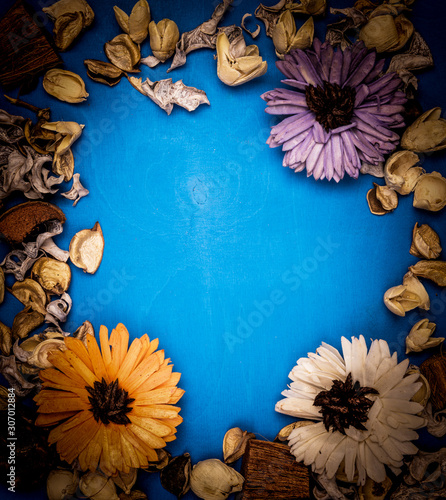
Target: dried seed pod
(67,28)
(430,192)
(163,459)
(126,481)
(401,172)
(98,486)
(425,242)
(285,432)
(2,285)
(234,444)
(419,337)
(386,33)
(213,480)
(411,294)
(25,322)
(139,21)
(5,339)
(87,248)
(24,219)
(39,356)
(175,476)
(286,37)
(372,490)
(83,331)
(424,392)
(31,294)
(163,38)
(61,484)
(65,85)
(434,270)
(53,275)
(427,133)
(63,7)
(123,53)
(381,199)
(103,72)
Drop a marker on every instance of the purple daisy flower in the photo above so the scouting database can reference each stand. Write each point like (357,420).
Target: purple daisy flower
(341,114)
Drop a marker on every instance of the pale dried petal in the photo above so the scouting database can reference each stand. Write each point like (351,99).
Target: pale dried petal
(77,191)
(411,294)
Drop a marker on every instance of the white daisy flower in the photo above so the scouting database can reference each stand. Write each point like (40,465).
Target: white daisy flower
(361,401)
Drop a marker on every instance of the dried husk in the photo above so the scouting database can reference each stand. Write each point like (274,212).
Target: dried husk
(53,275)
(175,476)
(65,85)
(139,20)
(424,392)
(434,270)
(213,480)
(386,33)
(31,294)
(63,164)
(25,322)
(234,444)
(126,481)
(63,7)
(285,432)
(67,28)
(286,37)
(411,294)
(103,72)
(430,192)
(425,242)
(87,248)
(61,483)
(381,200)
(122,19)
(163,38)
(2,285)
(5,339)
(419,337)
(427,133)
(372,490)
(98,487)
(401,172)
(83,331)
(39,356)
(123,53)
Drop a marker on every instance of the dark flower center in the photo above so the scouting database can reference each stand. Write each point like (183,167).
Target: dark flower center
(109,403)
(332,105)
(344,405)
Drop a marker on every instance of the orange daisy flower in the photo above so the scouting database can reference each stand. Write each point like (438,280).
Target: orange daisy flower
(114,408)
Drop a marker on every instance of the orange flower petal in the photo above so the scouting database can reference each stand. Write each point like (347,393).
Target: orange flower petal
(129,362)
(142,373)
(160,411)
(97,359)
(176,396)
(152,425)
(81,368)
(173,380)
(155,380)
(60,361)
(78,347)
(44,419)
(146,436)
(128,452)
(153,397)
(94,449)
(105,346)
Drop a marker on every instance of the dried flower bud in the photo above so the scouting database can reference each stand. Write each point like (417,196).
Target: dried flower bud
(427,133)
(175,476)
(434,270)
(286,37)
(430,192)
(386,33)
(401,172)
(137,24)
(234,444)
(65,85)
(61,484)
(213,480)
(98,487)
(411,294)
(419,337)
(163,38)
(425,242)
(235,67)
(123,53)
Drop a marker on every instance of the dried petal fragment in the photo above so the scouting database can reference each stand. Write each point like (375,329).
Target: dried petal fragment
(53,275)
(123,53)
(430,192)
(434,270)
(5,339)
(425,242)
(234,444)
(31,294)
(87,248)
(427,133)
(419,337)
(103,72)
(65,85)
(25,322)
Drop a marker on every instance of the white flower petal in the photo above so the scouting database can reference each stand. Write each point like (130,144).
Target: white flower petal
(374,467)
(335,457)
(350,458)
(389,380)
(299,408)
(403,392)
(347,352)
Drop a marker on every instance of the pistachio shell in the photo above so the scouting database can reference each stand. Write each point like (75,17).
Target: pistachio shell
(430,192)
(65,85)
(31,294)
(87,248)
(53,275)
(122,18)
(427,133)
(163,38)
(123,52)
(400,172)
(425,242)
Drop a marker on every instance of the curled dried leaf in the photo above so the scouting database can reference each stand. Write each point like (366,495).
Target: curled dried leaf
(25,322)
(425,242)
(53,275)
(77,191)
(234,444)
(434,270)
(65,85)
(123,53)
(401,172)
(31,294)
(430,192)
(103,72)
(411,294)
(427,133)
(58,310)
(175,476)
(87,248)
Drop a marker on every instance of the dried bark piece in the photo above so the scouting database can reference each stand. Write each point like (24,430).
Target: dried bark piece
(425,242)
(165,93)
(22,220)
(272,473)
(123,53)
(103,72)
(87,248)
(200,37)
(434,270)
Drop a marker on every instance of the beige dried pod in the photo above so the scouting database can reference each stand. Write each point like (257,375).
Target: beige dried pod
(122,19)
(5,339)
(103,72)
(25,322)
(53,275)
(373,490)
(86,249)
(123,53)
(64,7)
(381,199)
(424,392)
(234,444)
(31,294)
(98,487)
(430,192)
(2,285)
(163,38)
(126,481)
(63,164)
(285,432)
(83,331)
(386,33)
(213,480)
(61,484)
(311,7)
(39,356)
(65,85)
(67,28)
(434,270)
(240,66)
(411,294)
(425,242)
(419,337)
(286,37)
(139,21)
(401,172)
(427,133)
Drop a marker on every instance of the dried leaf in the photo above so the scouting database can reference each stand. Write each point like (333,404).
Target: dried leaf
(434,270)
(30,294)
(53,275)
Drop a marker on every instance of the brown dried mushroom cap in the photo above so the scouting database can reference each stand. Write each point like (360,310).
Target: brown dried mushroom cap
(22,220)
(87,248)
(123,53)
(31,294)
(53,275)
(25,322)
